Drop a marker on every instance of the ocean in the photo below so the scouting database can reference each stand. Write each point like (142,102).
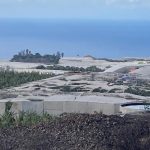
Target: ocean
(99,38)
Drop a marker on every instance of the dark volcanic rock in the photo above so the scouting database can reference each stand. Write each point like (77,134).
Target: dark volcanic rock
(81,132)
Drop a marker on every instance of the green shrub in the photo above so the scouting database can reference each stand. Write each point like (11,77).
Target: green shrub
(100,90)
(11,78)
(137,91)
(72,68)
(41,67)
(32,118)
(9,119)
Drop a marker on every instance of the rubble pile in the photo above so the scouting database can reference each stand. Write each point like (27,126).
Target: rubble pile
(81,132)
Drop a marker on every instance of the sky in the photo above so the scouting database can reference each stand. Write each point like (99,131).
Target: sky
(76,9)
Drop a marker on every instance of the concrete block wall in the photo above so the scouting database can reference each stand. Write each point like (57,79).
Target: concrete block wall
(23,106)
(31,106)
(53,108)
(59,107)
(2,107)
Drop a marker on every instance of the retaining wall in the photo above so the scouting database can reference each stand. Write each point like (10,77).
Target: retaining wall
(59,107)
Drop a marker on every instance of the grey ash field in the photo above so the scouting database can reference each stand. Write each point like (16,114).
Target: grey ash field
(82,94)
(127,80)
(81,131)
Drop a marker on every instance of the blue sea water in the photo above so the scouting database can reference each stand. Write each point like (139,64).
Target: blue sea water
(111,39)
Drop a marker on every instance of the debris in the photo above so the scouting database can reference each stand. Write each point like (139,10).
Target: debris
(81,132)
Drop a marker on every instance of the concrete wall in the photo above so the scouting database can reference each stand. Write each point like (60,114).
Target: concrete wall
(58,104)
(2,107)
(59,107)
(23,106)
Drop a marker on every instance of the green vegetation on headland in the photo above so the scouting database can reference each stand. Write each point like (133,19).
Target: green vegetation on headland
(28,56)
(11,78)
(71,68)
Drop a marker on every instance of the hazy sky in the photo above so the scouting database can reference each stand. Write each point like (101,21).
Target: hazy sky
(81,9)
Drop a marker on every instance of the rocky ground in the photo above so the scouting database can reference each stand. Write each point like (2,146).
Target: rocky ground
(81,132)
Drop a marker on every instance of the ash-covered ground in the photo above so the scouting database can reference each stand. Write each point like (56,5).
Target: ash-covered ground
(81,132)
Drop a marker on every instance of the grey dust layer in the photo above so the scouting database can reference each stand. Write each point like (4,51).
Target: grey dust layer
(81,92)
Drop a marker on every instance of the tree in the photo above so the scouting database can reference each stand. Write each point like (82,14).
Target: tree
(27,52)
(58,55)
(27,56)
(37,55)
(62,55)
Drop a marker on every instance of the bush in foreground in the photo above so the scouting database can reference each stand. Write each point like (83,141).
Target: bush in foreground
(9,119)
(80,132)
